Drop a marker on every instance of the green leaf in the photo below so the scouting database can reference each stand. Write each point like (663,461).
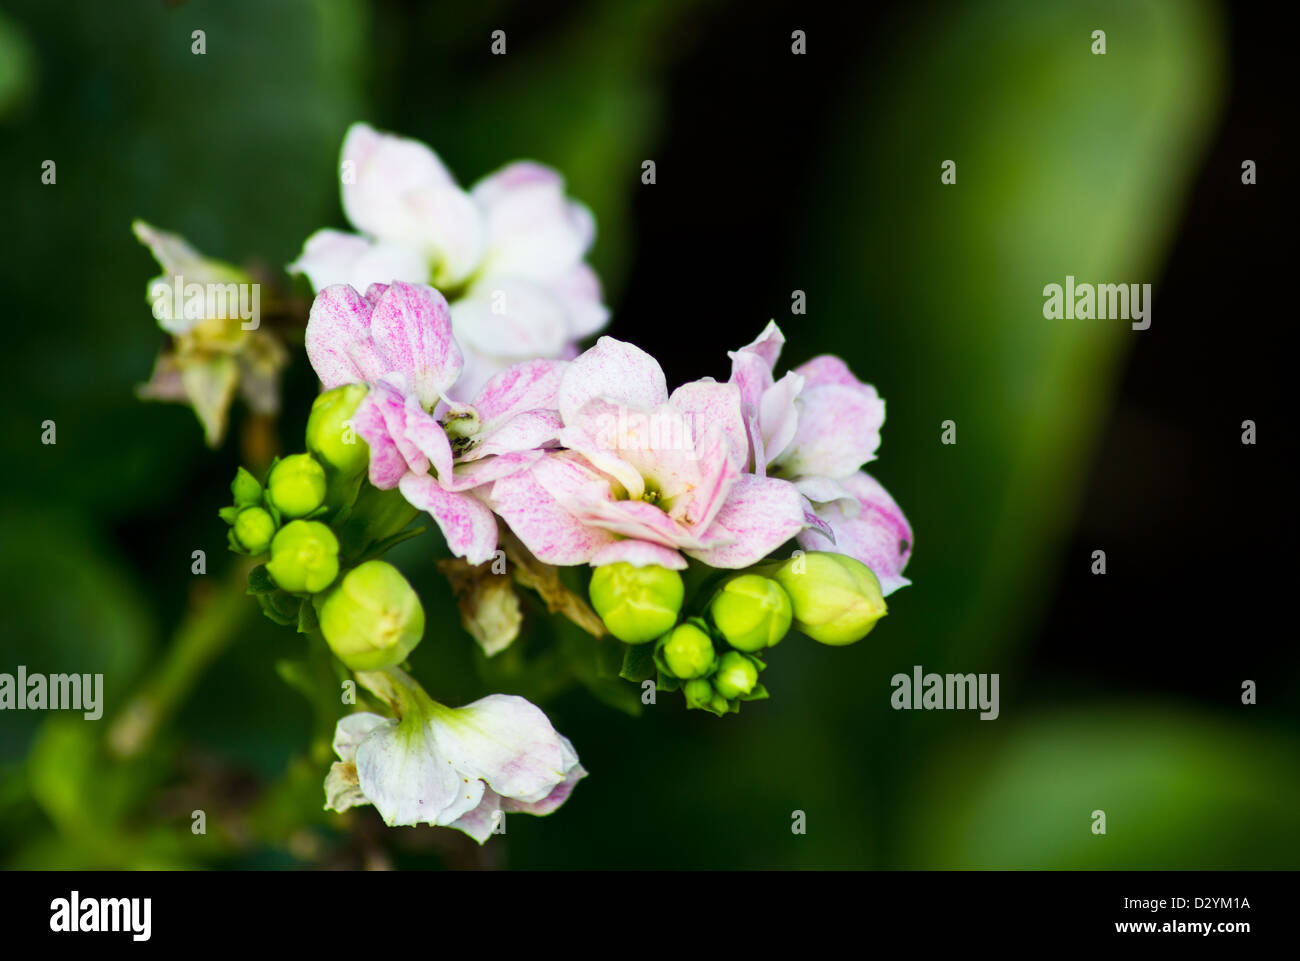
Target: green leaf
(666,682)
(280,606)
(308,622)
(638,662)
(260,581)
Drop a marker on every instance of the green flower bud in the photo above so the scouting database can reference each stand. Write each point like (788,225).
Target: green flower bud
(836,598)
(687,651)
(253,529)
(698,693)
(304,557)
(637,604)
(296,486)
(737,675)
(372,619)
(245,488)
(329,430)
(752,612)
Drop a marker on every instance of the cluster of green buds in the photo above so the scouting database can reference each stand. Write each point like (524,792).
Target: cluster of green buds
(323,526)
(712,655)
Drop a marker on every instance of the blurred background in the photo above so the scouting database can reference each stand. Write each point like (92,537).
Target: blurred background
(775,173)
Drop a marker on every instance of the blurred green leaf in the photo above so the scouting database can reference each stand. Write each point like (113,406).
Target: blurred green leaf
(1179,792)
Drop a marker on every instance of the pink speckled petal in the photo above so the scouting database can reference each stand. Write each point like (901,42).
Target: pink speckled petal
(778,416)
(427,436)
(466,522)
(639,554)
(411,326)
(387,465)
(615,370)
(838,431)
(529,502)
(826,490)
(767,346)
(760,514)
(488,470)
(398,411)
(526,431)
(827,369)
(707,404)
(531,385)
(338,338)
(879,535)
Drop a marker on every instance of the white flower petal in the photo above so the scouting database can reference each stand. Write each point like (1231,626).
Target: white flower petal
(508,742)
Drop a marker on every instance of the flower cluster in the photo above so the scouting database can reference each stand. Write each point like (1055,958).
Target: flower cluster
(592,461)
(706,523)
(508,253)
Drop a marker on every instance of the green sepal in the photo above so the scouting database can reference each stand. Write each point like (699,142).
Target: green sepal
(759,693)
(233,544)
(280,606)
(638,663)
(666,682)
(228,514)
(260,581)
(246,489)
(717,707)
(308,617)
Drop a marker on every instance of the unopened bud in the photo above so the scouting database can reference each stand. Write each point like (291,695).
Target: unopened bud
(330,435)
(737,675)
(637,604)
(304,557)
(687,651)
(253,529)
(698,693)
(752,612)
(296,486)
(836,598)
(372,619)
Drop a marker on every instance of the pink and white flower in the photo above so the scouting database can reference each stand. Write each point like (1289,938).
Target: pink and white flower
(397,339)
(645,476)
(462,768)
(816,427)
(509,254)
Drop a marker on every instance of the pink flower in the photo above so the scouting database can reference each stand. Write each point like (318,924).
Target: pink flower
(816,427)
(645,475)
(397,339)
(509,253)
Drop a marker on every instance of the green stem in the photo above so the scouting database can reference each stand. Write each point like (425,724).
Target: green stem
(206,630)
